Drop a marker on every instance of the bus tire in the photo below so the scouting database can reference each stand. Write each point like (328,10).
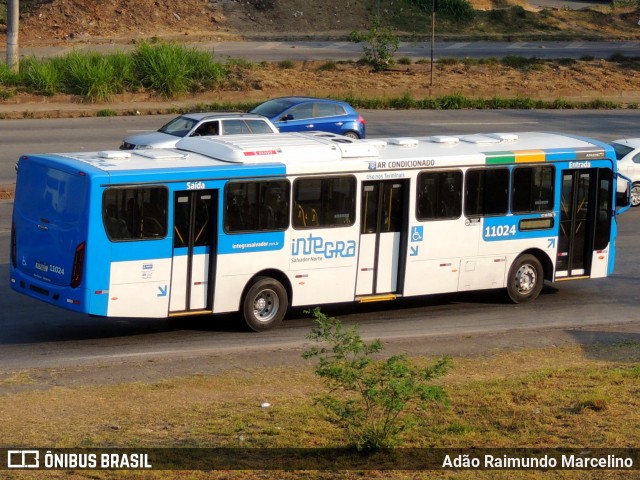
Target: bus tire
(264,304)
(635,194)
(526,279)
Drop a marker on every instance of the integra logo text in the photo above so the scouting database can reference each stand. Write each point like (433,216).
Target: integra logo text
(318,246)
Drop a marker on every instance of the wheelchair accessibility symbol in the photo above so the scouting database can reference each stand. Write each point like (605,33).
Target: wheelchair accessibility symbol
(417,234)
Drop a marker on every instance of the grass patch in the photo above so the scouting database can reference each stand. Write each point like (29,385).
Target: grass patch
(168,70)
(106,112)
(329,66)
(286,64)
(94,77)
(563,397)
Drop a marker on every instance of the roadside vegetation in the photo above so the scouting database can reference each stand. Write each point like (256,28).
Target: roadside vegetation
(572,397)
(508,20)
(370,398)
(165,69)
(170,71)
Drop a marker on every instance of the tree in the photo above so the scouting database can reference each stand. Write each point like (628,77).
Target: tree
(369,398)
(380,43)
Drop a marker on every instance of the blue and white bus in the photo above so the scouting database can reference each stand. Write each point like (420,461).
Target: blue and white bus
(256,224)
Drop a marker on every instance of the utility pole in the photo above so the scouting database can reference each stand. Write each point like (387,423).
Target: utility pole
(434,5)
(13,59)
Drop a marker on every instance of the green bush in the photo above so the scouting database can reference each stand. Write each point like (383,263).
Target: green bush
(8,78)
(162,68)
(39,76)
(370,398)
(328,66)
(516,61)
(204,74)
(453,10)
(89,75)
(124,74)
(380,43)
(106,112)
(286,64)
(172,70)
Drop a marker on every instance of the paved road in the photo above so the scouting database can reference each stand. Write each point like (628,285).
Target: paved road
(344,50)
(86,134)
(34,334)
(582,312)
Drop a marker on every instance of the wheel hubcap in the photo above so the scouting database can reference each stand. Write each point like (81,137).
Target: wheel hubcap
(526,279)
(635,196)
(265,305)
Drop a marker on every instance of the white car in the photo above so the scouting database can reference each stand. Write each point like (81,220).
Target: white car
(199,124)
(628,155)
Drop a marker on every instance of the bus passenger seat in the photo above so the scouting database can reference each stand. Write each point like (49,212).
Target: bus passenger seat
(300,219)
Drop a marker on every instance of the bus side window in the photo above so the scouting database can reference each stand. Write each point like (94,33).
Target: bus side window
(532,189)
(487,192)
(115,225)
(439,195)
(324,202)
(127,216)
(256,206)
(151,221)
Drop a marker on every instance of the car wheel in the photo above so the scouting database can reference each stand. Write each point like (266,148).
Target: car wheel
(264,304)
(352,135)
(526,279)
(635,194)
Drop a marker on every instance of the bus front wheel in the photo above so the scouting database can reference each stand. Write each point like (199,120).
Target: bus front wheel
(635,194)
(526,279)
(265,304)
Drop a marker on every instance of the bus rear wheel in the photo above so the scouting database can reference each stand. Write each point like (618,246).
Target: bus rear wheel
(526,279)
(264,304)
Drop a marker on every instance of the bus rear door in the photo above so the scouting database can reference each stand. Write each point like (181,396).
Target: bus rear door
(194,251)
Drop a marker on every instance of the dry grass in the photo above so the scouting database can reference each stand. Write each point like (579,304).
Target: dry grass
(563,397)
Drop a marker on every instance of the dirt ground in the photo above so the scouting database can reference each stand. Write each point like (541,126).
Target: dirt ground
(70,22)
(52,21)
(125,20)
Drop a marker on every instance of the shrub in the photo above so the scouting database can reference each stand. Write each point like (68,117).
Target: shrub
(369,398)
(380,43)
(286,64)
(8,78)
(171,70)
(90,75)
(39,76)
(204,73)
(453,10)
(516,61)
(106,113)
(328,66)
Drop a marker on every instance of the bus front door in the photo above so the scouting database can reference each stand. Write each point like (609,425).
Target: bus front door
(194,249)
(382,251)
(585,221)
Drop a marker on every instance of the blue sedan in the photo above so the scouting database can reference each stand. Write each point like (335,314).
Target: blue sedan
(307,114)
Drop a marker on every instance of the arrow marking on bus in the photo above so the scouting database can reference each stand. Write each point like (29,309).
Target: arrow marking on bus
(163,291)
(552,243)
(414,251)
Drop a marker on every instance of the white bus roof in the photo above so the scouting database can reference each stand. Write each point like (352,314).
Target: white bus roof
(323,152)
